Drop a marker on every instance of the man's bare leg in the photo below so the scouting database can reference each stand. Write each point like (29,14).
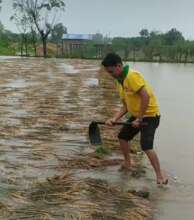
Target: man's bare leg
(125,148)
(160,178)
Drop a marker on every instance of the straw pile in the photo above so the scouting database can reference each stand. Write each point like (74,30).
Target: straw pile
(67,198)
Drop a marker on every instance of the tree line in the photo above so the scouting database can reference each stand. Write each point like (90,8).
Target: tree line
(156,46)
(36,22)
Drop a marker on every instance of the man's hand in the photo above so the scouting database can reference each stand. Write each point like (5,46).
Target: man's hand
(110,121)
(136,123)
(117,115)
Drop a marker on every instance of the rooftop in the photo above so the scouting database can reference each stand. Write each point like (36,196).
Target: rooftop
(77,37)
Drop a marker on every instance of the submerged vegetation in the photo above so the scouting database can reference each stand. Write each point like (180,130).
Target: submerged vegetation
(48,169)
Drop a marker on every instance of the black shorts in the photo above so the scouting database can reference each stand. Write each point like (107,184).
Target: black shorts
(147,131)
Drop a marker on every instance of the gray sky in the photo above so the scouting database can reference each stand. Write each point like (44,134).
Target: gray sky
(120,17)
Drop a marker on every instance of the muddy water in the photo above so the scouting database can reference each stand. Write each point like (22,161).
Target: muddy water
(39,101)
(45,109)
(173,84)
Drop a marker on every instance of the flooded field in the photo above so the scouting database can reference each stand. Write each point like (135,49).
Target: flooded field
(48,168)
(50,171)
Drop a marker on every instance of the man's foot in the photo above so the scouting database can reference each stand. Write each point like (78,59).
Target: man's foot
(162,181)
(127,166)
(124,168)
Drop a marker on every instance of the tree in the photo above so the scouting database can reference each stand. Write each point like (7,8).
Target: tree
(173,36)
(192,50)
(43,14)
(98,38)
(57,32)
(1,27)
(153,49)
(23,22)
(135,44)
(121,44)
(34,39)
(186,48)
(153,46)
(144,33)
(0,4)
(154,34)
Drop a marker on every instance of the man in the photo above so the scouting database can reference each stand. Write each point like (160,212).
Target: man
(139,100)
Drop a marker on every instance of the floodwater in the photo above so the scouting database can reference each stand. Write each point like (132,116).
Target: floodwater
(46,106)
(173,84)
(45,109)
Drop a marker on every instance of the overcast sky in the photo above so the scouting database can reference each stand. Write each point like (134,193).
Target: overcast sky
(120,17)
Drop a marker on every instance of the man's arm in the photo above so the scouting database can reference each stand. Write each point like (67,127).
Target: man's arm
(144,102)
(143,106)
(122,111)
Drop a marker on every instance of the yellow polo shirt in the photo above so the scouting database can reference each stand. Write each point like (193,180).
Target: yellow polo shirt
(132,83)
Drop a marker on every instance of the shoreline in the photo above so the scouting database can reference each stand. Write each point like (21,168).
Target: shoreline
(99,59)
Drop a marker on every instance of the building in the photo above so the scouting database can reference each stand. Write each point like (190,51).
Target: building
(77,45)
(74,44)
(102,49)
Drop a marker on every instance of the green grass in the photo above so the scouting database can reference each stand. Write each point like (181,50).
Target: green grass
(7,50)
(102,150)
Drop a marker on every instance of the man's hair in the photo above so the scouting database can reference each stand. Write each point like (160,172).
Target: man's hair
(111,59)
